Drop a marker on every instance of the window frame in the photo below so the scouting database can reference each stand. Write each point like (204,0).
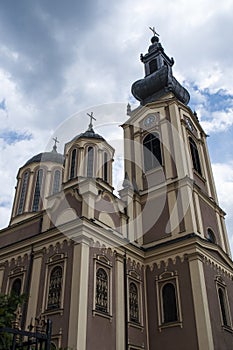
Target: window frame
(221,285)
(48,306)
(156,160)
(161,280)
(195,156)
(57,259)
(101,261)
(134,277)
(55,171)
(73,164)
(90,169)
(22,206)
(41,185)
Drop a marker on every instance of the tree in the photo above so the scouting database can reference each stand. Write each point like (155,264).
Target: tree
(8,307)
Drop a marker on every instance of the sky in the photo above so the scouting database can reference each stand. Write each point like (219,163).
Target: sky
(58,58)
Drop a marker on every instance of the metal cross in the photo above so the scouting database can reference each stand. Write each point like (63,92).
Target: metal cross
(153,30)
(91,118)
(55,143)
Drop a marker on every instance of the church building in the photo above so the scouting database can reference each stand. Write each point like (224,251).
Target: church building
(147,269)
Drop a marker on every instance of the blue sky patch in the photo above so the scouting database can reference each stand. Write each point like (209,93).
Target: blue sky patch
(12,136)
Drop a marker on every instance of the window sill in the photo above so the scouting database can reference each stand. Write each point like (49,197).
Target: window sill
(101,314)
(227,328)
(171,324)
(53,312)
(135,325)
(199,176)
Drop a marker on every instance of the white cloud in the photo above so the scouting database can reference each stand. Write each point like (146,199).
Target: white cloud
(223,174)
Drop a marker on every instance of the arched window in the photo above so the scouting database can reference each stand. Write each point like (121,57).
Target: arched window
(133,303)
(23,192)
(153,66)
(169,303)
(152,152)
(102,290)
(73,163)
(105,169)
(210,236)
(223,306)
(36,200)
(90,161)
(55,286)
(195,156)
(56,181)
(16,287)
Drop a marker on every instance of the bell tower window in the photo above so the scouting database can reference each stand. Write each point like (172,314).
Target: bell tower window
(195,156)
(105,169)
(90,161)
(153,66)
(152,152)
(36,200)
(23,193)
(56,181)
(73,163)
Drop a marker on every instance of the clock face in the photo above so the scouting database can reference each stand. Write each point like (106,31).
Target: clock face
(149,120)
(189,124)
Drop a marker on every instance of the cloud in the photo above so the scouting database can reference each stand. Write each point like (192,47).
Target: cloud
(223,174)
(58,58)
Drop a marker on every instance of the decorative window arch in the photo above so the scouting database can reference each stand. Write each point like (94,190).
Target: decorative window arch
(16,286)
(133,303)
(37,192)
(73,163)
(169,303)
(90,161)
(56,181)
(195,156)
(102,291)
(23,192)
(211,236)
(105,167)
(55,288)
(152,151)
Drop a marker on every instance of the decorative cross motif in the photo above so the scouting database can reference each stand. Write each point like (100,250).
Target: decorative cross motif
(91,119)
(153,30)
(55,143)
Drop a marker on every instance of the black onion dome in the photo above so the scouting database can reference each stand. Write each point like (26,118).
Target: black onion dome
(159,79)
(53,157)
(89,134)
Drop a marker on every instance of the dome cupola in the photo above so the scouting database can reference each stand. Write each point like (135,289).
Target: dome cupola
(88,155)
(40,177)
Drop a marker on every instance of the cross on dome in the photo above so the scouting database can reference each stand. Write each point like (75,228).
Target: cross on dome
(55,144)
(90,127)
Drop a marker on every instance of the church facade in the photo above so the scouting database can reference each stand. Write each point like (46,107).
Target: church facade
(147,269)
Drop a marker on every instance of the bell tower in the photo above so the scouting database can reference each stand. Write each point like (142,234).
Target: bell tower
(167,162)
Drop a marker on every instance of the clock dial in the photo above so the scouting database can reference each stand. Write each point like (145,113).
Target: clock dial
(149,120)
(189,124)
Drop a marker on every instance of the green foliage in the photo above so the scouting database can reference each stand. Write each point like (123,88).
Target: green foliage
(8,306)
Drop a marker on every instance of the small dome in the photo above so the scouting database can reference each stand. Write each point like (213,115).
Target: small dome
(89,134)
(46,157)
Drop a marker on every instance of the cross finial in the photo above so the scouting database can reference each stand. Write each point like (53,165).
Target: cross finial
(90,127)
(55,144)
(153,30)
